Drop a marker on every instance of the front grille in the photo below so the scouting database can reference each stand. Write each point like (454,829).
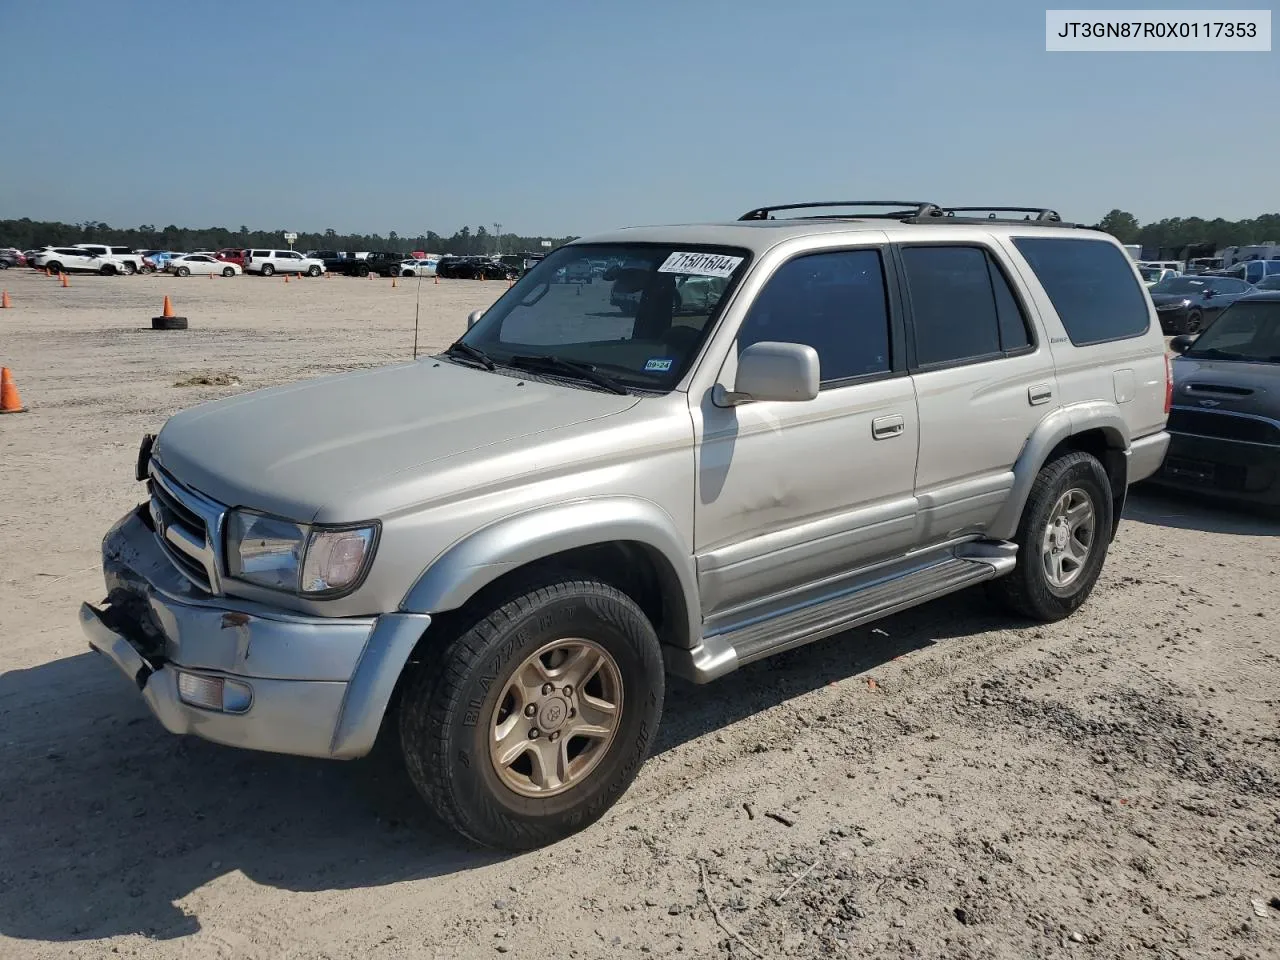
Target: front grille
(1224,426)
(187,528)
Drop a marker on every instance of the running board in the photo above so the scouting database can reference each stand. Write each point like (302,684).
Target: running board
(722,653)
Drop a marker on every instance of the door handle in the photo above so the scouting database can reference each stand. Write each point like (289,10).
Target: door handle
(1040,393)
(882,428)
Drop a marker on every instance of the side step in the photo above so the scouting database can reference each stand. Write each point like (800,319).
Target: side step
(824,619)
(722,653)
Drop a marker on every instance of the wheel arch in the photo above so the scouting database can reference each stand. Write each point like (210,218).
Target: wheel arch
(626,541)
(1097,428)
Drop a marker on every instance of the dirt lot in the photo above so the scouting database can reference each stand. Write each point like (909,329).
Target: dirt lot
(945,784)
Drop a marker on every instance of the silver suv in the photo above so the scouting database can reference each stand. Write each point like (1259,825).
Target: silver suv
(500,550)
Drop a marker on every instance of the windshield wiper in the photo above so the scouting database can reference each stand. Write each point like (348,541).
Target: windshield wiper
(581,371)
(1213,353)
(471,353)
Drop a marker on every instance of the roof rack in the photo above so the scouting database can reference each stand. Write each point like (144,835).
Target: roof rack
(917,209)
(913,211)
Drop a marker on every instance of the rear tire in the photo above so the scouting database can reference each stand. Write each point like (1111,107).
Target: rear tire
(53,266)
(474,702)
(268,269)
(1050,549)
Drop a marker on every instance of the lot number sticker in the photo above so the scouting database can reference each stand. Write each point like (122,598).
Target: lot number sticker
(658,363)
(700,264)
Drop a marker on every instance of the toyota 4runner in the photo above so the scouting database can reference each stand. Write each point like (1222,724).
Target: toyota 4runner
(500,550)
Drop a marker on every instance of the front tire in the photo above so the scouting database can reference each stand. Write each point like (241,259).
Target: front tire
(1193,323)
(1062,540)
(314,271)
(183,271)
(228,272)
(537,716)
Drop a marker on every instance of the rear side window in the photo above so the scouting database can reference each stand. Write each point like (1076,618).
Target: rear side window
(962,307)
(1091,286)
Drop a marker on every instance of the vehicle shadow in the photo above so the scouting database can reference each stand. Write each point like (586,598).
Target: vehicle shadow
(1161,507)
(110,822)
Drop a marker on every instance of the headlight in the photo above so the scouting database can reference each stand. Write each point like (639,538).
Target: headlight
(308,560)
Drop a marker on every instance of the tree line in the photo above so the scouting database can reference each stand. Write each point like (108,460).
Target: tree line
(1194,236)
(27,234)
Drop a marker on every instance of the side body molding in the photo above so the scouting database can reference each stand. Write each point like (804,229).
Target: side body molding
(460,571)
(1051,431)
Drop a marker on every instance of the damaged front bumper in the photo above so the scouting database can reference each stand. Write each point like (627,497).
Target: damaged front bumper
(242,673)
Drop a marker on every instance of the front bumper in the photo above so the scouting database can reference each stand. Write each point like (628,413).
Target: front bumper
(315,686)
(1229,469)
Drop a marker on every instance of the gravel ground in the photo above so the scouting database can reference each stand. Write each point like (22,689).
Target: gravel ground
(947,783)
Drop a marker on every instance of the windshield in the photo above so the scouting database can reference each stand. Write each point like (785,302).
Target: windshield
(1248,331)
(636,312)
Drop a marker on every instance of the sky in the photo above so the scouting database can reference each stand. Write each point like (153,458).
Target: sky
(576,116)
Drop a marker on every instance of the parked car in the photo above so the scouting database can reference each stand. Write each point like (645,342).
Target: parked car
(1225,421)
(1153,275)
(12,257)
(418,268)
(232,255)
(133,262)
(201,264)
(445,265)
(154,260)
(481,268)
(1252,271)
(500,549)
(380,262)
(269,262)
(1186,304)
(75,260)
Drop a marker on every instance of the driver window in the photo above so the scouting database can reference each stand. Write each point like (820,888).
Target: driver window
(835,302)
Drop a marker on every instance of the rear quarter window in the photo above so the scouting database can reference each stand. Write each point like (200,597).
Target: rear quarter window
(1091,286)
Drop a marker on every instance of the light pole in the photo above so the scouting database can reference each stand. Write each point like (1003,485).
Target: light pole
(497,237)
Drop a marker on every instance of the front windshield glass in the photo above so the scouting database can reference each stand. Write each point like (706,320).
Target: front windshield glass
(634,312)
(1182,285)
(1248,331)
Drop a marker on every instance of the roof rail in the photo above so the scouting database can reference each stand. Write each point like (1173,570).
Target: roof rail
(917,208)
(1041,214)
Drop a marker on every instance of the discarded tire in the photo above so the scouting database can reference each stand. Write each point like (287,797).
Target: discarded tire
(168,323)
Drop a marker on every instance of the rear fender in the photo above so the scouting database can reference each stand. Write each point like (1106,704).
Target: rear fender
(1053,430)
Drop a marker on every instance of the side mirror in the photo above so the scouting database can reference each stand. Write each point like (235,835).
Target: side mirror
(1182,343)
(473,316)
(771,370)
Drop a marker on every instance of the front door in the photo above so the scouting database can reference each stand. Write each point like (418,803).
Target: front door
(791,494)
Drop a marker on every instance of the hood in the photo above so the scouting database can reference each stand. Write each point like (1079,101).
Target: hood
(293,450)
(1159,298)
(1227,385)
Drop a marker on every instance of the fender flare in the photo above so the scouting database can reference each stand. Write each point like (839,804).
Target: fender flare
(478,559)
(1062,424)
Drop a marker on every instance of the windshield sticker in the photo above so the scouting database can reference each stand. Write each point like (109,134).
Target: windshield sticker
(658,363)
(700,264)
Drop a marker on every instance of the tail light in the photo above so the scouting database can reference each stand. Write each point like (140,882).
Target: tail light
(1168,384)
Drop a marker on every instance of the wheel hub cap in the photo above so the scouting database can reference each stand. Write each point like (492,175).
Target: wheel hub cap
(553,713)
(1068,538)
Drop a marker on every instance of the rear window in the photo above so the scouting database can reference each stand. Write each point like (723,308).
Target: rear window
(1091,286)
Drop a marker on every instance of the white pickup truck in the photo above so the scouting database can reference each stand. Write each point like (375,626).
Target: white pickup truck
(133,262)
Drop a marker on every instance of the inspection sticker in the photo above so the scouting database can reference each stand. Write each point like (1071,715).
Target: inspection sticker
(658,363)
(700,264)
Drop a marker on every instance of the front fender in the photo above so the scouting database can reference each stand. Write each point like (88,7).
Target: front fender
(512,542)
(1051,431)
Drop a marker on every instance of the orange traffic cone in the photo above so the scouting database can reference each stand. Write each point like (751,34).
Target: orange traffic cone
(64,281)
(393,281)
(437,279)
(48,272)
(168,307)
(286,278)
(4,301)
(10,402)
(211,276)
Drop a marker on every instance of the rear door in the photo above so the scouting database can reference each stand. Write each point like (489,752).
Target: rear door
(983,381)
